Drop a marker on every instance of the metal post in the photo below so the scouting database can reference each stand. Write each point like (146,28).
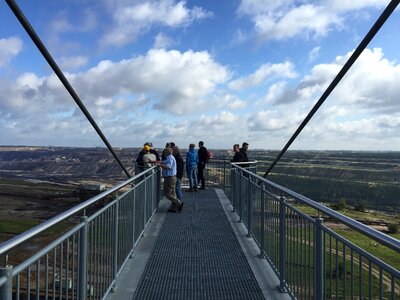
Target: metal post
(115,244)
(318,261)
(249,207)
(262,229)
(240,204)
(224,175)
(282,244)
(6,288)
(83,253)
(233,186)
(133,220)
(144,201)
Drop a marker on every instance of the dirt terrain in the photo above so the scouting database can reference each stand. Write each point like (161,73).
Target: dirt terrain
(38,183)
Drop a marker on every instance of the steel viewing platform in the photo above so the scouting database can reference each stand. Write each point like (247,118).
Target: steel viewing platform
(122,244)
(201,253)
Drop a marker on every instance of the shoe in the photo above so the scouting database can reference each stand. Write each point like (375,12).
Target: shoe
(172,210)
(189,190)
(195,189)
(180,207)
(202,188)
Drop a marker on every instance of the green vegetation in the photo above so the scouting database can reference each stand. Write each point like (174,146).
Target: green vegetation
(17,226)
(393,228)
(389,256)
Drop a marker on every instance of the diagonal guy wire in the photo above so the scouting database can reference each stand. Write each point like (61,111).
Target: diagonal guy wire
(370,35)
(35,38)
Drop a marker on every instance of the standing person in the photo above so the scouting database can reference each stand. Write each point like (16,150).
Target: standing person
(139,164)
(163,156)
(168,167)
(243,151)
(238,157)
(203,158)
(148,157)
(179,171)
(192,160)
(152,150)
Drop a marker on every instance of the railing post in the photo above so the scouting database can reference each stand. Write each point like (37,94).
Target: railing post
(262,216)
(232,193)
(133,220)
(144,201)
(240,199)
(115,244)
(318,261)
(224,175)
(83,253)
(282,244)
(249,207)
(6,288)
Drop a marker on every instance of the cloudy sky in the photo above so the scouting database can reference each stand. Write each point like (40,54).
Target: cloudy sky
(223,71)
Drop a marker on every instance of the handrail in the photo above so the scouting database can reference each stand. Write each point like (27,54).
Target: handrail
(253,162)
(369,231)
(11,243)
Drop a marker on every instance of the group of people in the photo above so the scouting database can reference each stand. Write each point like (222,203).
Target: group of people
(240,154)
(172,165)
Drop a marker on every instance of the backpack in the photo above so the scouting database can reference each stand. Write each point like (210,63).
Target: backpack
(209,155)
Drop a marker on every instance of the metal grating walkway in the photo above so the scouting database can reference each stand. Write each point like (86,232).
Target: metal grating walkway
(197,256)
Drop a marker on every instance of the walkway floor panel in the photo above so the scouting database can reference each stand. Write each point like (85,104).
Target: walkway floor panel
(197,256)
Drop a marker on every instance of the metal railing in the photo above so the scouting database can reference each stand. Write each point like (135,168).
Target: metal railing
(313,258)
(217,173)
(83,262)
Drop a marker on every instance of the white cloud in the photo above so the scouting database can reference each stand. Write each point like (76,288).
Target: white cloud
(314,53)
(195,75)
(371,84)
(263,73)
(73,62)
(273,121)
(278,20)
(9,48)
(345,6)
(144,78)
(130,21)
(162,41)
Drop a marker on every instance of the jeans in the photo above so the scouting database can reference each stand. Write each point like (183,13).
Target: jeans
(192,175)
(201,166)
(178,189)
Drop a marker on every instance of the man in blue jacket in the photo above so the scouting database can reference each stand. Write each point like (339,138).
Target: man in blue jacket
(192,160)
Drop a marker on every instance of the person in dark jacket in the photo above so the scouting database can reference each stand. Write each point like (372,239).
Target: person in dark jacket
(243,151)
(203,158)
(163,155)
(238,157)
(179,171)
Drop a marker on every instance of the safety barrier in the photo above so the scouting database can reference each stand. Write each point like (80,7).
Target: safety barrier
(310,257)
(84,262)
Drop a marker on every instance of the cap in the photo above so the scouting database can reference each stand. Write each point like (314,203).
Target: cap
(146,148)
(148,144)
(245,144)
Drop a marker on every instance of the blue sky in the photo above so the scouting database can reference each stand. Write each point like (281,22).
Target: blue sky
(219,71)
